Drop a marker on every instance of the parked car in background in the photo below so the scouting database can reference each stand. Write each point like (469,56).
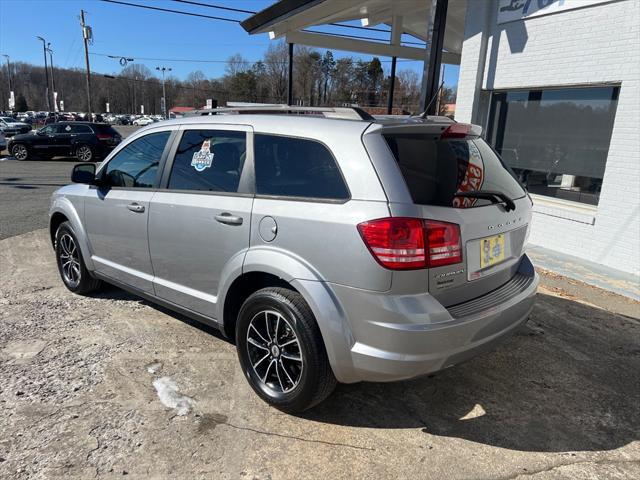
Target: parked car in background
(10,126)
(345,249)
(3,141)
(84,140)
(142,121)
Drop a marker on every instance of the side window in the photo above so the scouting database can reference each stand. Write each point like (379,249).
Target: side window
(80,129)
(296,167)
(209,160)
(50,130)
(136,165)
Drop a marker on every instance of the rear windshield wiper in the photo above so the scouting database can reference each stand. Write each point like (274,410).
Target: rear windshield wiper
(492,195)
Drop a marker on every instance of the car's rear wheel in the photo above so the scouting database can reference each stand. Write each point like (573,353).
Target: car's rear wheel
(281,350)
(20,152)
(73,271)
(84,153)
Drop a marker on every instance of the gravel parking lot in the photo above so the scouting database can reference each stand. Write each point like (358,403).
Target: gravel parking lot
(84,380)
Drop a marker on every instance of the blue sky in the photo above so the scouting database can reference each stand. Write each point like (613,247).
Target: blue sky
(140,34)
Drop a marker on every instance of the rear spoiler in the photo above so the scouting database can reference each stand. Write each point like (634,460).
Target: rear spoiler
(438,129)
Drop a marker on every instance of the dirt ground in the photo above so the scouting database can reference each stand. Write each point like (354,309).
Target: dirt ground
(83,381)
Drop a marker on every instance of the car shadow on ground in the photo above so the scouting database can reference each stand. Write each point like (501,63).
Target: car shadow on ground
(114,293)
(567,381)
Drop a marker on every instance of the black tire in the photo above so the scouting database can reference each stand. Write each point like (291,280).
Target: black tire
(21,152)
(85,153)
(315,377)
(84,283)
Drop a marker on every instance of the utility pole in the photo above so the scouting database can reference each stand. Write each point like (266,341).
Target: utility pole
(11,106)
(86,36)
(53,80)
(164,92)
(46,71)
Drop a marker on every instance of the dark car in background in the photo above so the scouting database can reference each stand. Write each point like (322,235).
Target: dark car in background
(85,140)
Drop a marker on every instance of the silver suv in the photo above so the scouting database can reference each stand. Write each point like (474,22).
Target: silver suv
(331,246)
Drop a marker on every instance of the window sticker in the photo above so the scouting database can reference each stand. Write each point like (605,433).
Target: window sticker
(203,158)
(67,128)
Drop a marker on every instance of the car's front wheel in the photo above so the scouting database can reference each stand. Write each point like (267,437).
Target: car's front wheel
(281,350)
(84,153)
(73,271)
(20,151)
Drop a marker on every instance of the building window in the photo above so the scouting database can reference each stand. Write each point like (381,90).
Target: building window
(555,140)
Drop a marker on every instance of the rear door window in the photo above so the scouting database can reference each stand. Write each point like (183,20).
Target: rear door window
(435,170)
(209,160)
(297,167)
(80,129)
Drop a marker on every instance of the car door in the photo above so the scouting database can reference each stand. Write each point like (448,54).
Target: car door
(116,212)
(43,142)
(200,222)
(62,139)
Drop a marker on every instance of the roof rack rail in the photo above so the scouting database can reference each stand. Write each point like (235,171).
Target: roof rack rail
(348,113)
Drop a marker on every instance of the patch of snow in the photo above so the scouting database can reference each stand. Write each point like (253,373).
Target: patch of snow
(168,393)
(476,411)
(154,366)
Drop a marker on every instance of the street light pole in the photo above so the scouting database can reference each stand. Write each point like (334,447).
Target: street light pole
(46,71)
(53,80)
(164,92)
(9,72)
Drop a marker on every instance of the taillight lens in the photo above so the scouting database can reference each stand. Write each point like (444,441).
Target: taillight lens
(400,243)
(443,243)
(461,130)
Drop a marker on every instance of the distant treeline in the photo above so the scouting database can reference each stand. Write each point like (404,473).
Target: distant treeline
(319,79)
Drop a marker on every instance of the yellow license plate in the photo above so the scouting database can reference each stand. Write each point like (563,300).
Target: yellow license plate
(491,250)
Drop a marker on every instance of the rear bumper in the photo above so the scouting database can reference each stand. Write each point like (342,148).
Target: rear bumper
(401,337)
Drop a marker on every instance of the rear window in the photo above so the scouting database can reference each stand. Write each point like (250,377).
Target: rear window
(435,170)
(103,128)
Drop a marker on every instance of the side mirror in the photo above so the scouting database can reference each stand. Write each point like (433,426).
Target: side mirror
(84,173)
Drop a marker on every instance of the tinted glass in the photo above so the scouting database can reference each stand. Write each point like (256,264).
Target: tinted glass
(435,170)
(81,129)
(209,160)
(103,128)
(556,140)
(295,167)
(136,165)
(49,130)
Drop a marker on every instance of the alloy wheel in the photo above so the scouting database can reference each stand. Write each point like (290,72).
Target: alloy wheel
(274,351)
(20,152)
(69,260)
(84,153)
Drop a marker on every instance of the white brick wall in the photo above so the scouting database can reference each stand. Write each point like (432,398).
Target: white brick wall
(596,44)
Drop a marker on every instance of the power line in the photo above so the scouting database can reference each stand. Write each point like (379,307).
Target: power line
(219,7)
(211,17)
(210,61)
(169,10)
(251,12)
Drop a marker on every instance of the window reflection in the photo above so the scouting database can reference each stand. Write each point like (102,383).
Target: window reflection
(556,140)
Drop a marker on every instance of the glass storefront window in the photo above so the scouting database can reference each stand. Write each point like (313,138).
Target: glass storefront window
(555,140)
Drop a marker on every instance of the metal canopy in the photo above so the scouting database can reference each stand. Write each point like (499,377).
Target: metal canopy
(439,23)
(289,19)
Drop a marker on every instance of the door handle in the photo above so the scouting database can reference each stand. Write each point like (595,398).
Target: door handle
(228,219)
(136,207)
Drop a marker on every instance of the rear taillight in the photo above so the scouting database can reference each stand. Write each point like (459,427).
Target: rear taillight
(104,136)
(443,243)
(400,243)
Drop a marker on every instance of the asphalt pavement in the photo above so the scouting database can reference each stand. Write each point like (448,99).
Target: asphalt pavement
(26,187)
